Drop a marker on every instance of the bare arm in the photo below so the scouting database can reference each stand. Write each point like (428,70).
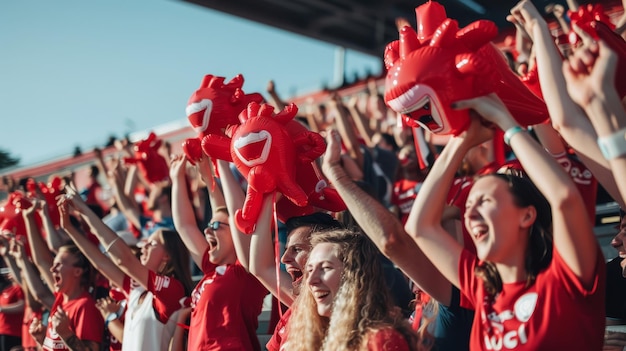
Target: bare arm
(424,223)
(572,231)
(567,118)
(278,102)
(360,120)
(344,126)
(385,230)
(591,82)
(99,261)
(107,306)
(234,196)
(207,173)
(263,260)
(55,238)
(42,257)
(13,308)
(119,252)
(179,339)
(123,194)
(31,277)
(183,214)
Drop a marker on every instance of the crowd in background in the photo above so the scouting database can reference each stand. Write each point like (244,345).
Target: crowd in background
(440,247)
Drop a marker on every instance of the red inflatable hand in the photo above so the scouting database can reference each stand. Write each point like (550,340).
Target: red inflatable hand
(216,105)
(429,70)
(152,165)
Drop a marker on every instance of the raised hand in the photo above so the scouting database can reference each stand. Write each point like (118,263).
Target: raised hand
(490,108)
(37,330)
(590,71)
(525,16)
(332,156)
(61,323)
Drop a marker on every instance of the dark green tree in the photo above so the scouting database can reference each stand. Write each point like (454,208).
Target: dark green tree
(6,160)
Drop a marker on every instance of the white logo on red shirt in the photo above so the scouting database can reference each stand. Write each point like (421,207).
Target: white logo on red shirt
(497,337)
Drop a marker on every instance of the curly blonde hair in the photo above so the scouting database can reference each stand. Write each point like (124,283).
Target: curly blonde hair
(362,306)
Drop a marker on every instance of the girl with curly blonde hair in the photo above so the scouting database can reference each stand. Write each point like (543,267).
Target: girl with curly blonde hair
(347,305)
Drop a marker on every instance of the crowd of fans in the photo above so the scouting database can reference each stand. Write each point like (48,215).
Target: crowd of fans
(440,248)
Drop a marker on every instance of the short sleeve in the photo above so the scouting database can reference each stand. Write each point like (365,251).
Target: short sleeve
(169,295)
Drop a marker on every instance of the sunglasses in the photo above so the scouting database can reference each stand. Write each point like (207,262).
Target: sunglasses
(216,225)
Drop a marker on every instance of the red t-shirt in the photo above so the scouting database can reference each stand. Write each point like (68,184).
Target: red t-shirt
(555,313)
(226,305)
(280,333)
(169,294)
(11,323)
(387,339)
(85,321)
(585,182)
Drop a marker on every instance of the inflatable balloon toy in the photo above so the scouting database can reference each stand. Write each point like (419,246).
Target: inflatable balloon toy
(441,64)
(213,107)
(268,149)
(319,194)
(11,220)
(593,21)
(49,192)
(152,165)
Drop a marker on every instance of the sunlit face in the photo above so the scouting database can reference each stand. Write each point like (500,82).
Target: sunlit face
(297,252)
(620,238)
(64,272)
(221,247)
(153,252)
(324,271)
(493,220)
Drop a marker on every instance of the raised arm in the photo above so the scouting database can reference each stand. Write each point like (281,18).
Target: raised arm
(385,229)
(567,118)
(234,196)
(572,231)
(42,257)
(119,252)
(55,237)
(9,260)
(360,120)
(277,101)
(123,197)
(99,261)
(31,276)
(346,130)
(591,75)
(263,260)
(424,224)
(183,213)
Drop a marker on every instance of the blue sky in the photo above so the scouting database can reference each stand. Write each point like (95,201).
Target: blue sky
(73,72)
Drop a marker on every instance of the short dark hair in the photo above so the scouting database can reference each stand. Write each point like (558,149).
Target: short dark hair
(318,221)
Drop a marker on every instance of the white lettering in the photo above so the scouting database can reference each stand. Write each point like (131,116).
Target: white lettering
(522,334)
(510,340)
(496,342)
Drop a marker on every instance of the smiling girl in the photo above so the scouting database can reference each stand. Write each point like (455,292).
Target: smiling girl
(347,305)
(536,281)
(156,283)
